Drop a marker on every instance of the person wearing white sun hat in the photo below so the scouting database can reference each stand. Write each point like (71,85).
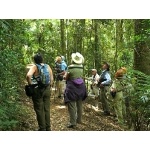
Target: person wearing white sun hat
(77,58)
(75,91)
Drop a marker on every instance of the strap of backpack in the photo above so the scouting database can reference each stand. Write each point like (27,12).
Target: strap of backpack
(39,66)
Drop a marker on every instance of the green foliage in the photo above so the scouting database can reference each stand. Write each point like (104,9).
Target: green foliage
(142,35)
(140,101)
(12,71)
(9,85)
(98,40)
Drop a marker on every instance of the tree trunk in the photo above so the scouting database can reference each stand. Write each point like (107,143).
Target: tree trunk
(62,26)
(96,45)
(142,51)
(119,41)
(79,34)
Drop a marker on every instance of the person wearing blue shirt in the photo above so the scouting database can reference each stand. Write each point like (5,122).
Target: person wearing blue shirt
(61,69)
(105,81)
(63,64)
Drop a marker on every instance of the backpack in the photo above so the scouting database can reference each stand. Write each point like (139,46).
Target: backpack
(59,77)
(43,79)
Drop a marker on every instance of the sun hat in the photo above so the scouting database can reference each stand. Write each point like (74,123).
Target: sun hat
(93,70)
(77,58)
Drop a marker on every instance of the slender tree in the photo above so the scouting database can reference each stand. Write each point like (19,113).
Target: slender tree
(142,51)
(119,41)
(96,44)
(63,45)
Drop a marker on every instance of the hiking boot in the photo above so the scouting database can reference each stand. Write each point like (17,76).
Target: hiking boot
(71,126)
(106,113)
(48,129)
(41,129)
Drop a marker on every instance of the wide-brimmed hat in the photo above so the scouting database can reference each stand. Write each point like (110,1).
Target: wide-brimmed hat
(77,58)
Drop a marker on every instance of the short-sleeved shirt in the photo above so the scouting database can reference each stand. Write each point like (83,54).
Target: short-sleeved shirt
(63,65)
(75,71)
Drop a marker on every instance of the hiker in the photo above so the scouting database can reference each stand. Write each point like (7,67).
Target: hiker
(41,96)
(60,68)
(117,89)
(127,92)
(95,89)
(75,91)
(104,83)
(63,68)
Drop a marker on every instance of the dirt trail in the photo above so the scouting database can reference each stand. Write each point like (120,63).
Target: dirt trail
(92,120)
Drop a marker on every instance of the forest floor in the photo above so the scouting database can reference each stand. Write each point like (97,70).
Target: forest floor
(92,119)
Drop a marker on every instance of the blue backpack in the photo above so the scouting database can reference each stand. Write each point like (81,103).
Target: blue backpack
(44,76)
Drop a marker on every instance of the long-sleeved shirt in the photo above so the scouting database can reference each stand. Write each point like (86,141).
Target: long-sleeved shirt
(105,74)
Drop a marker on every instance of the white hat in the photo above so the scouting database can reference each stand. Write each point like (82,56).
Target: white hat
(94,70)
(62,57)
(77,58)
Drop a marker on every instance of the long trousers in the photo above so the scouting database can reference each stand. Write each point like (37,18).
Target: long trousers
(75,111)
(41,102)
(104,100)
(119,107)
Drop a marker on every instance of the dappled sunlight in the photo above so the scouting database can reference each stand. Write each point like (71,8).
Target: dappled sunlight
(60,107)
(120,42)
